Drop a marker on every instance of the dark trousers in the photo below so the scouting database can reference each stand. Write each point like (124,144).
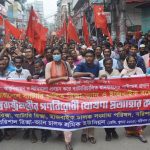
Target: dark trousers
(109,130)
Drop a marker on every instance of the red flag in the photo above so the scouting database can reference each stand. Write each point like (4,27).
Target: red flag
(11,29)
(65,29)
(101,21)
(59,32)
(1,20)
(86,31)
(98,10)
(23,33)
(62,31)
(105,29)
(40,38)
(31,25)
(71,30)
(36,32)
(43,38)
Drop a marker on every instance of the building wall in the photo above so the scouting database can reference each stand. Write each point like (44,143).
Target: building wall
(74,3)
(145,20)
(38,6)
(133,15)
(62,10)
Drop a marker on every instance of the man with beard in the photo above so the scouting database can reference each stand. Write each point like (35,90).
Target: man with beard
(29,60)
(19,72)
(83,50)
(121,57)
(98,53)
(140,61)
(109,72)
(48,55)
(107,54)
(142,50)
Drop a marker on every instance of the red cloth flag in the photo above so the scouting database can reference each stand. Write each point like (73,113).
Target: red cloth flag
(71,30)
(1,20)
(23,33)
(86,31)
(11,30)
(62,31)
(59,32)
(101,21)
(40,38)
(33,19)
(43,39)
(65,29)
(98,10)
(36,33)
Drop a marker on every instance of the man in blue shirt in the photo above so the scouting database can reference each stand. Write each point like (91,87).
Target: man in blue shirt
(91,70)
(87,68)
(9,66)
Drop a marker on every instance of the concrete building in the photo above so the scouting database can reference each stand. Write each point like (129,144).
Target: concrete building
(64,8)
(38,7)
(144,15)
(13,10)
(137,13)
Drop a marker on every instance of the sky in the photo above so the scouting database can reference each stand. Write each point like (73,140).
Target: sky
(50,8)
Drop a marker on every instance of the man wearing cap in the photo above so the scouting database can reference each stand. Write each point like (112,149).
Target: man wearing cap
(142,50)
(144,53)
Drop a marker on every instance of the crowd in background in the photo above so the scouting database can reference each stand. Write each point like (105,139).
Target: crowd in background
(19,61)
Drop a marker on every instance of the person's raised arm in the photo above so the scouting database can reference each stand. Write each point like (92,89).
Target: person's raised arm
(7,46)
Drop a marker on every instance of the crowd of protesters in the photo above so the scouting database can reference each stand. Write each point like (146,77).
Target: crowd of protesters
(19,61)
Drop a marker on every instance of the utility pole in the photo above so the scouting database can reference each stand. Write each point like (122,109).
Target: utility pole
(113,21)
(122,20)
(69,9)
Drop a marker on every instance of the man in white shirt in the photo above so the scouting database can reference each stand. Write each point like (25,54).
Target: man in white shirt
(107,54)
(109,72)
(19,73)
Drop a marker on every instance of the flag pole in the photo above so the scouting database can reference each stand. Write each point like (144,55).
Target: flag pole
(96,35)
(66,34)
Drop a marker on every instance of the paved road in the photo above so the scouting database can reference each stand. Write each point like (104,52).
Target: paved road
(123,143)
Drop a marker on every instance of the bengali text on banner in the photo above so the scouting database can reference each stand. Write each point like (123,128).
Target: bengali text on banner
(76,104)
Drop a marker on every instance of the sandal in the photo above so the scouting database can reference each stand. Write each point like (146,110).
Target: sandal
(44,139)
(92,140)
(34,138)
(7,136)
(142,138)
(84,138)
(26,134)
